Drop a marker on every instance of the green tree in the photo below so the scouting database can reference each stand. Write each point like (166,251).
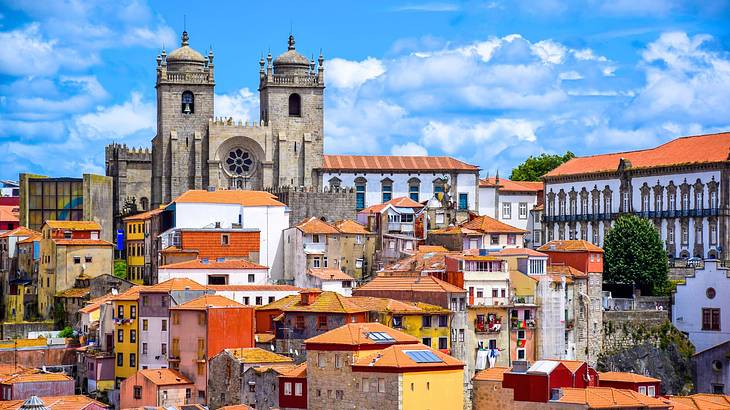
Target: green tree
(535,167)
(66,332)
(635,255)
(120,268)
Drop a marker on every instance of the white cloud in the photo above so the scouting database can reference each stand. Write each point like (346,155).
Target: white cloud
(84,91)
(242,105)
(118,121)
(349,74)
(409,149)
(453,136)
(549,51)
(570,75)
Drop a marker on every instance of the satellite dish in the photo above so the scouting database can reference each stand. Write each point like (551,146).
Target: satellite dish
(272,347)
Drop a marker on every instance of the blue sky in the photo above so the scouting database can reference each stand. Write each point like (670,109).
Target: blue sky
(488,82)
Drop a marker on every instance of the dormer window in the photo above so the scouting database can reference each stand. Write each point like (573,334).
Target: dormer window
(188,103)
(295,105)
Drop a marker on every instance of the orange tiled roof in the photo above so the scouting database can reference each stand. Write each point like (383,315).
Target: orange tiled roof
(257,355)
(569,245)
(175,249)
(237,197)
(235,407)
(349,226)
(164,377)
(512,186)
(31,239)
(145,215)
(74,225)
(413,283)
(488,225)
(568,271)
(208,301)
(374,304)
(493,374)
(74,293)
(129,295)
(356,334)
(214,264)
(626,377)
(395,357)
(685,150)
(315,225)
(19,231)
(325,302)
(252,288)
(174,284)
(431,248)
(35,377)
(9,370)
(400,202)
(94,304)
(299,372)
(701,401)
(77,402)
(264,337)
(329,274)
(608,398)
(7,214)
(518,252)
(82,242)
(572,365)
(394,163)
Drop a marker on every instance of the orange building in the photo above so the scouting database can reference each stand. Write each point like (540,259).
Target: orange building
(581,255)
(155,388)
(189,244)
(202,328)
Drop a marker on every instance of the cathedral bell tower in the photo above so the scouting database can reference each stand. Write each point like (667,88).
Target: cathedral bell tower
(185,90)
(291,93)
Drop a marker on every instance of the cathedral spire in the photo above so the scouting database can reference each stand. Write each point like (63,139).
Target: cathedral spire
(291,41)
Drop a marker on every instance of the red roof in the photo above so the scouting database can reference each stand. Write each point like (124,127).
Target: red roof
(208,301)
(82,242)
(252,288)
(357,334)
(214,264)
(400,202)
(398,357)
(394,163)
(315,225)
(512,186)
(414,283)
(486,224)
(19,231)
(235,197)
(569,245)
(7,214)
(329,274)
(518,252)
(710,148)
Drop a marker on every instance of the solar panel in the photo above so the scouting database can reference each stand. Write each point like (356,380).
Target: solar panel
(380,337)
(423,356)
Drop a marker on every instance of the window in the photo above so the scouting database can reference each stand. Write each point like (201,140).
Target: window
(387,189)
(461,335)
(225,239)
(710,293)
(506,210)
(713,199)
(463,201)
(494,239)
(360,193)
(338,361)
(252,387)
(685,236)
(321,322)
(188,103)
(685,201)
(251,278)
(201,368)
(295,105)
(163,349)
(87,259)
(144,348)
(444,342)
(320,360)
(414,186)
(259,300)
(625,199)
(120,359)
(523,210)
(133,312)
(713,234)
(520,333)
(511,239)
(120,336)
(287,389)
(718,389)
(426,321)
(651,391)
(137,392)
(272,299)
(426,341)
(144,324)
(642,389)
(132,360)
(201,394)
(77,260)
(397,322)
(520,354)
(710,319)
(298,389)
(365,385)
(438,186)
(381,385)
(133,336)
(164,325)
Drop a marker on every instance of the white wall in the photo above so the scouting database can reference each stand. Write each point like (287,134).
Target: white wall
(154,337)
(235,276)
(241,295)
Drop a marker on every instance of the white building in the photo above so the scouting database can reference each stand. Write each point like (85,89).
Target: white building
(237,209)
(327,279)
(487,280)
(219,271)
(512,203)
(677,185)
(379,179)
(394,222)
(254,295)
(698,306)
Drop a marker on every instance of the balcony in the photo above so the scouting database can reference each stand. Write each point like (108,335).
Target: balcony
(489,301)
(400,227)
(569,324)
(315,247)
(516,324)
(487,327)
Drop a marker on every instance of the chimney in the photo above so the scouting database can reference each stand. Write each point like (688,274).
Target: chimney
(308,296)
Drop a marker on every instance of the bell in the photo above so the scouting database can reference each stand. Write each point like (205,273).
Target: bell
(187,108)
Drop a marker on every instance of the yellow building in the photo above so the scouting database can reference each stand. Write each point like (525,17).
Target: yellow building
(134,235)
(431,324)
(126,333)
(69,249)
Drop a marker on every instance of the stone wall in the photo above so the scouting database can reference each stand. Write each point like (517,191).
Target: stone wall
(625,329)
(21,330)
(224,381)
(98,203)
(131,172)
(333,205)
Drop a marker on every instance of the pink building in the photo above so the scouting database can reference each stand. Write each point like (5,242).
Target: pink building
(202,328)
(31,383)
(155,388)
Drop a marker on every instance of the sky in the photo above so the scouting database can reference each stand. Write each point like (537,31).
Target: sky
(487,82)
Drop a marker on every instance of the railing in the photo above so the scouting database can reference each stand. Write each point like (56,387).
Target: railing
(487,327)
(294,80)
(187,77)
(314,246)
(705,212)
(516,324)
(490,301)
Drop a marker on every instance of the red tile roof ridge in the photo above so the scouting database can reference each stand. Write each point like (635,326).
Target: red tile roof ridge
(214,264)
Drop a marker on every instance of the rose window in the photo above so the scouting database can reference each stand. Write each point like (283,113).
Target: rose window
(239,162)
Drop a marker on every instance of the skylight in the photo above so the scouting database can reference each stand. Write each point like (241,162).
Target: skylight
(423,356)
(380,337)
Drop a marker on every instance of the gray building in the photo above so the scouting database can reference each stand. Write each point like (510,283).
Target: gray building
(712,369)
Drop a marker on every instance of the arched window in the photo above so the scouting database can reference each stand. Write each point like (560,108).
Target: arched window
(438,186)
(414,188)
(145,203)
(360,184)
(188,103)
(295,105)
(386,187)
(335,182)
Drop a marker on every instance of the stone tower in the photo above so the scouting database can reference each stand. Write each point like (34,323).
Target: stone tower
(291,94)
(185,90)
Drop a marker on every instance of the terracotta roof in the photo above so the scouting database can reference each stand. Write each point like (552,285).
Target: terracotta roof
(349,226)
(574,245)
(214,264)
(74,225)
(77,402)
(325,302)
(175,249)
(299,372)
(278,368)
(625,377)
(208,301)
(37,377)
(356,334)
(237,197)
(19,231)
(235,407)
(518,252)
(264,337)
(174,284)
(396,356)
(129,295)
(94,304)
(7,214)
(315,225)
(685,150)
(413,283)
(608,398)
(701,401)
(512,186)
(82,242)
(145,215)
(9,370)
(329,274)
(493,374)
(375,304)
(257,355)
(394,162)
(31,239)
(566,270)
(487,225)
(253,288)
(164,377)
(454,230)
(74,293)
(572,365)
(421,261)
(400,202)
(431,248)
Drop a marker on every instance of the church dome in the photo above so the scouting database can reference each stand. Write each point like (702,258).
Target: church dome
(185,54)
(291,56)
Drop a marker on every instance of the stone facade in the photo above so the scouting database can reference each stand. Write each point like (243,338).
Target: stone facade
(333,204)
(131,171)
(588,318)
(225,386)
